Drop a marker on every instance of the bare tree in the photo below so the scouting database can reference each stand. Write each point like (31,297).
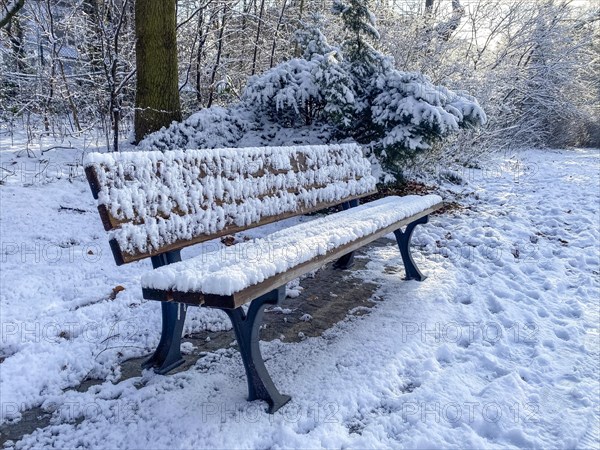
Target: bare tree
(220,44)
(258,27)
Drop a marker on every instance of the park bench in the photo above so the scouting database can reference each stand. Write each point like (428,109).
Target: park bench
(154,204)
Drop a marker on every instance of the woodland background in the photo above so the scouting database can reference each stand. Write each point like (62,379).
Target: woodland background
(68,67)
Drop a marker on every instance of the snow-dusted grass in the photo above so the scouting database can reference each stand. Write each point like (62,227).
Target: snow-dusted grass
(497,348)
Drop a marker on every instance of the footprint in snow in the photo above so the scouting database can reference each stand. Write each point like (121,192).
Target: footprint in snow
(562,334)
(542,312)
(466,300)
(494,306)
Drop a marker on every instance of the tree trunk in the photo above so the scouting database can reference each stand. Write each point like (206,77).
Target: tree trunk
(15,34)
(447,29)
(157,94)
(213,75)
(276,34)
(260,19)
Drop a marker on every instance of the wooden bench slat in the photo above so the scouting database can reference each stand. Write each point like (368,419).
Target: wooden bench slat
(243,296)
(246,295)
(129,187)
(127,258)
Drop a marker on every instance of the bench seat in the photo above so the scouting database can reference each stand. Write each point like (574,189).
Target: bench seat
(230,277)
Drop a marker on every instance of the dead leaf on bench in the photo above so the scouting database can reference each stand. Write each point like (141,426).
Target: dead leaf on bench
(228,240)
(64,335)
(115,291)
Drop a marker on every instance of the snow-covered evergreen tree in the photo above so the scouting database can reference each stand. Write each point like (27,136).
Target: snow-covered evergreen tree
(363,60)
(310,38)
(337,86)
(414,113)
(302,90)
(396,112)
(338,89)
(359,24)
(287,93)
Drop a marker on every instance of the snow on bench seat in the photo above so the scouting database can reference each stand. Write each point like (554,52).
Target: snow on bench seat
(238,271)
(153,202)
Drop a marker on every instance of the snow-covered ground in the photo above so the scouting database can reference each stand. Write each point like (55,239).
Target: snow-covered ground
(499,347)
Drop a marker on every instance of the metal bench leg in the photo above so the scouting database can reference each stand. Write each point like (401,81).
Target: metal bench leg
(346,261)
(246,327)
(403,239)
(167,355)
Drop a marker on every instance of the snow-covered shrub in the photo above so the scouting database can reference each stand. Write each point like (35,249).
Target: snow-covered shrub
(413,113)
(304,90)
(208,128)
(397,112)
(287,93)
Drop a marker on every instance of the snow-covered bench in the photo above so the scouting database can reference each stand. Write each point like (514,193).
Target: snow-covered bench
(154,204)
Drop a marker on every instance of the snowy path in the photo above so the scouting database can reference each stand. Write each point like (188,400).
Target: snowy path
(499,347)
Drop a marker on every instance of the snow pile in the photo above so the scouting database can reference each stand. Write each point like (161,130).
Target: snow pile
(161,198)
(214,127)
(249,263)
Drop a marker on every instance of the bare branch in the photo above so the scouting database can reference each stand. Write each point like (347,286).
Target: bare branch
(9,10)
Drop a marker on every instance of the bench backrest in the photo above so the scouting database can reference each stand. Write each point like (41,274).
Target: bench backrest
(153,202)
